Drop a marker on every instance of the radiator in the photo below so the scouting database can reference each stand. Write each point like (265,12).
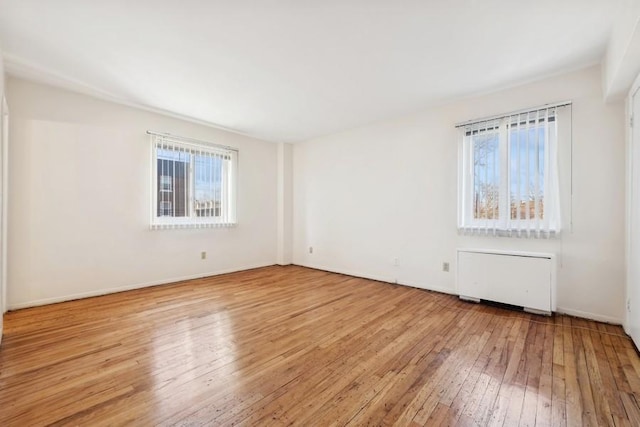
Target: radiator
(518,278)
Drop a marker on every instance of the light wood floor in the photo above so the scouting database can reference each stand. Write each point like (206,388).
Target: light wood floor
(290,345)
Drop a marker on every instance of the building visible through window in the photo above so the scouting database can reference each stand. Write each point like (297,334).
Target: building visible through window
(166,183)
(172,169)
(509,175)
(194,184)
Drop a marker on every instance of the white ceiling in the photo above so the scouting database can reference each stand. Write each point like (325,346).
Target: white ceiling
(290,70)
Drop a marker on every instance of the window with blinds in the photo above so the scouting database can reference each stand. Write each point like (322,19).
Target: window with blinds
(193,183)
(509,175)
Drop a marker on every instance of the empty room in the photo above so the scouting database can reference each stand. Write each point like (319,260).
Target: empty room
(320,213)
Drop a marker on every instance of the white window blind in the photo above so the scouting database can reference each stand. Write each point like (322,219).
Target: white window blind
(508,175)
(193,183)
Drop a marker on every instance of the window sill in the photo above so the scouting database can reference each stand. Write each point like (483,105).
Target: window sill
(174,226)
(519,233)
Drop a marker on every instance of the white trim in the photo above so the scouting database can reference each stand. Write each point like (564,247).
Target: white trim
(589,315)
(107,291)
(561,310)
(386,279)
(429,288)
(629,195)
(44,301)
(512,253)
(4,138)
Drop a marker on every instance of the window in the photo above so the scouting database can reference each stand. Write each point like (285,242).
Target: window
(193,183)
(166,183)
(166,208)
(509,175)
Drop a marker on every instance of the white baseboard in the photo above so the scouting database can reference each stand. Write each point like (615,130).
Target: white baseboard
(44,301)
(590,316)
(430,288)
(349,273)
(381,279)
(571,312)
(106,291)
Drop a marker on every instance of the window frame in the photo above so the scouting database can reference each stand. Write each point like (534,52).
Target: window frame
(502,188)
(504,224)
(228,172)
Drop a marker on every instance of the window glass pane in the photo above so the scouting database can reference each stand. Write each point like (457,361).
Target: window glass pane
(486,175)
(208,185)
(166,208)
(526,170)
(172,182)
(166,183)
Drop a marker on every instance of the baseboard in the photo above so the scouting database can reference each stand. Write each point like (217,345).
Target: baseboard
(348,273)
(44,301)
(590,316)
(439,289)
(385,279)
(106,291)
(571,312)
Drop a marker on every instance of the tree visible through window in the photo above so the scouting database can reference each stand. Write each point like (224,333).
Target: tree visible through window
(509,174)
(486,175)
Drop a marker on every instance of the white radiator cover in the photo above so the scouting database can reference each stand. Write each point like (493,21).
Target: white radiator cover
(525,279)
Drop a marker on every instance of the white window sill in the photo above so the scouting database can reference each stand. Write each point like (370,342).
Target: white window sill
(520,233)
(174,226)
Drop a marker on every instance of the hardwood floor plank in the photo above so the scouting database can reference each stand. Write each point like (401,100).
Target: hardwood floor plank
(296,346)
(545,394)
(533,357)
(489,364)
(573,397)
(427,397)
(558,385)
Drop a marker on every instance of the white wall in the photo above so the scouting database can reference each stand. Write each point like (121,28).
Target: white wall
(285,203)
(361,198)
(389,190)
(79,200)
(622,60)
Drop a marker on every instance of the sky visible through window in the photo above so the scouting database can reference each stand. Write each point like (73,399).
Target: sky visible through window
(526,163)
(526,153)
(486,175)
(208,171)
(208,178)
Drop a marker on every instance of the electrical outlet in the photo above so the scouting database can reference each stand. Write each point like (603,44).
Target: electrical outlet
(629,305)
(445,266)
(395,262)
(203,255)
(310,249)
